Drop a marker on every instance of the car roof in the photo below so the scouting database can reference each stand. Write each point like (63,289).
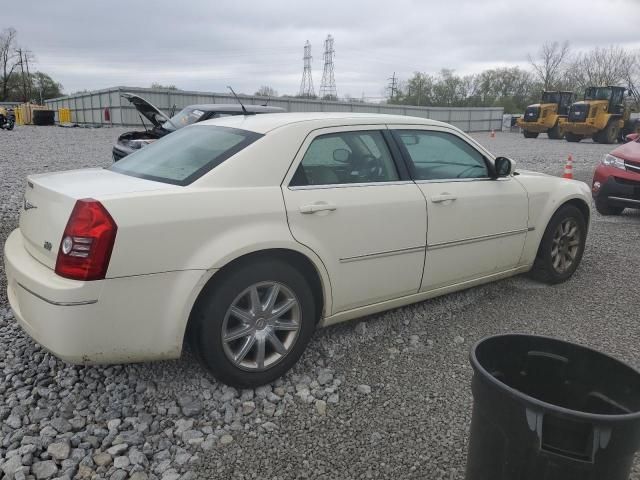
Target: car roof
(265,123)
(234,108)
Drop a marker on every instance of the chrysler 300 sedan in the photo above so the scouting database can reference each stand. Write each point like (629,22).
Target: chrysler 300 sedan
(241,235)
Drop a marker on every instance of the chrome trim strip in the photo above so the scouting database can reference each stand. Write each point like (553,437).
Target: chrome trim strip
(58,304)
(630,200)
(346,185)
(388,253)
(631,167)
(450,180)
(466,241)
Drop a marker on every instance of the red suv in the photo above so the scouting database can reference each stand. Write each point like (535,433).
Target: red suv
(616,181)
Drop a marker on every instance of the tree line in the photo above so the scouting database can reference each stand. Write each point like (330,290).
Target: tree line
(17,82)
(554,67)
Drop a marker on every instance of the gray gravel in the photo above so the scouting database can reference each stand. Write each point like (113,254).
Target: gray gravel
(387,397)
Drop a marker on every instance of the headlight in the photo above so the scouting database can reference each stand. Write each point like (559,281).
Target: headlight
(611,161)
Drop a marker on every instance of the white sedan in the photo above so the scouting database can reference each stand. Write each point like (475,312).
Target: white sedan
(243,234)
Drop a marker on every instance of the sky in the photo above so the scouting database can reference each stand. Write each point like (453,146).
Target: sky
(208,44)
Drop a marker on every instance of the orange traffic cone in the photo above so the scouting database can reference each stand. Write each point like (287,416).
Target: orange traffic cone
(568,168)
(493,134)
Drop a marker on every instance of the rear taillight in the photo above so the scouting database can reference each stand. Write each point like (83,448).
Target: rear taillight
(87,242)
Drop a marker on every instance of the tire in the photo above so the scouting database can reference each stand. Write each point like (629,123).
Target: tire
(604,208)
(528,134)
(555,133)
(544,268)
(211,317)
(573,137)
(609,134)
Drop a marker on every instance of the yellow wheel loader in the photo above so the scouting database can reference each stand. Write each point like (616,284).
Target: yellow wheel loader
(548,116)
(603,115)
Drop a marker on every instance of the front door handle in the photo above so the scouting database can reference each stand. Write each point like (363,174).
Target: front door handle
(444,197)
(317,207)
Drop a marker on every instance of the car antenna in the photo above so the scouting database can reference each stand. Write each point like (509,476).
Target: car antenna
(244,110)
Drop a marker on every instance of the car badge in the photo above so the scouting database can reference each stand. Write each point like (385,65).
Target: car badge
(47,246)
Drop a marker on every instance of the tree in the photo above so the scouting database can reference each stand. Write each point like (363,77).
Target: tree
(266,91)
(8,60)
(159,86)
(44,87)
(611,65)
(550,63)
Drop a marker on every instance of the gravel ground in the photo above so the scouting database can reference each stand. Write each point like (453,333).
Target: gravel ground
(385,398)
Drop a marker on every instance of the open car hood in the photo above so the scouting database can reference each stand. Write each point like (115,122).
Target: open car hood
(152,113)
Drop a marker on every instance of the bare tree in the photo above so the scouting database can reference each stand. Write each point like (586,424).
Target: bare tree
(603,66)
(266,91)
(549,65)
(8,60)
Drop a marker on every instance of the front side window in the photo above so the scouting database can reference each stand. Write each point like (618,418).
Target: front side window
(185,155)
(346,157)
(441,156)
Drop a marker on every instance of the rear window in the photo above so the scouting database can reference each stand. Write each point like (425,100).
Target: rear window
(183,156)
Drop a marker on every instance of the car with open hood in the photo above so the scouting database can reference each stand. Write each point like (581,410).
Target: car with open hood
(243,234)
(162,124)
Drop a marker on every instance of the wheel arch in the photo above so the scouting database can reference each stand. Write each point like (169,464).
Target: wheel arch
(312,269)
(577,202)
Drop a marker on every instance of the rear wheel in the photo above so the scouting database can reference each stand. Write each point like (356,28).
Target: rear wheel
(528,134)
(562,246)
(604,208)
(253,325)
(555,133)
(573,137)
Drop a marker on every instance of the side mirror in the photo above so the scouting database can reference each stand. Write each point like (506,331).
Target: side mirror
(504,166)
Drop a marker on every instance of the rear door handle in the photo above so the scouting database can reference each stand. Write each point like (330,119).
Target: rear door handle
(443,198)
(317,207)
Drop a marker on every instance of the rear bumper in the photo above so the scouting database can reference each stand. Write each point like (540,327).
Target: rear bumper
(117,320)
(617,187)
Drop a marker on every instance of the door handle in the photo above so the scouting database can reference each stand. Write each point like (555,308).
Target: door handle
(444,197)
(317,207)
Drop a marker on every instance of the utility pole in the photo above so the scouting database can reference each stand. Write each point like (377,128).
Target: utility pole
(393,86)
(26,60)
(328,84)
(24,83)
(306,85)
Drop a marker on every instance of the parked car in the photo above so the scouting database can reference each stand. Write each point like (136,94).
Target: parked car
(243,234)
(163,125)
(616,180)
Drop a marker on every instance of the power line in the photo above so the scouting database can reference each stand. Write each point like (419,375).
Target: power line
(328,84)
(306,85)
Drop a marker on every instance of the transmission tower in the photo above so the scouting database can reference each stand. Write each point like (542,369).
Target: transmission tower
(306,86)
(328,84)
(393,86)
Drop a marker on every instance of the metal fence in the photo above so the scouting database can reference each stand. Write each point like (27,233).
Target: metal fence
(107,107)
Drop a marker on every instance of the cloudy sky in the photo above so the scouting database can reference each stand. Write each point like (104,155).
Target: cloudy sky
(208,44)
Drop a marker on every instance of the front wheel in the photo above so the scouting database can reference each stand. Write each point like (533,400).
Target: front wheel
(253,325)
(528,134)
(562,246)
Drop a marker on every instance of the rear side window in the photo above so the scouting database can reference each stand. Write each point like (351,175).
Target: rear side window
(183,156)
(346,157)
(441,156)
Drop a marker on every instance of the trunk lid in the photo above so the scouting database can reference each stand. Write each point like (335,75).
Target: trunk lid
(49,199)
(149,111)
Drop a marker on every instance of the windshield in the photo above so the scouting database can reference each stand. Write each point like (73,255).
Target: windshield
(597,93)
(185,155)
(184,117)
(550,97)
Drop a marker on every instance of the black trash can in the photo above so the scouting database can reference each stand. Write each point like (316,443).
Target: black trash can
(545,409)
